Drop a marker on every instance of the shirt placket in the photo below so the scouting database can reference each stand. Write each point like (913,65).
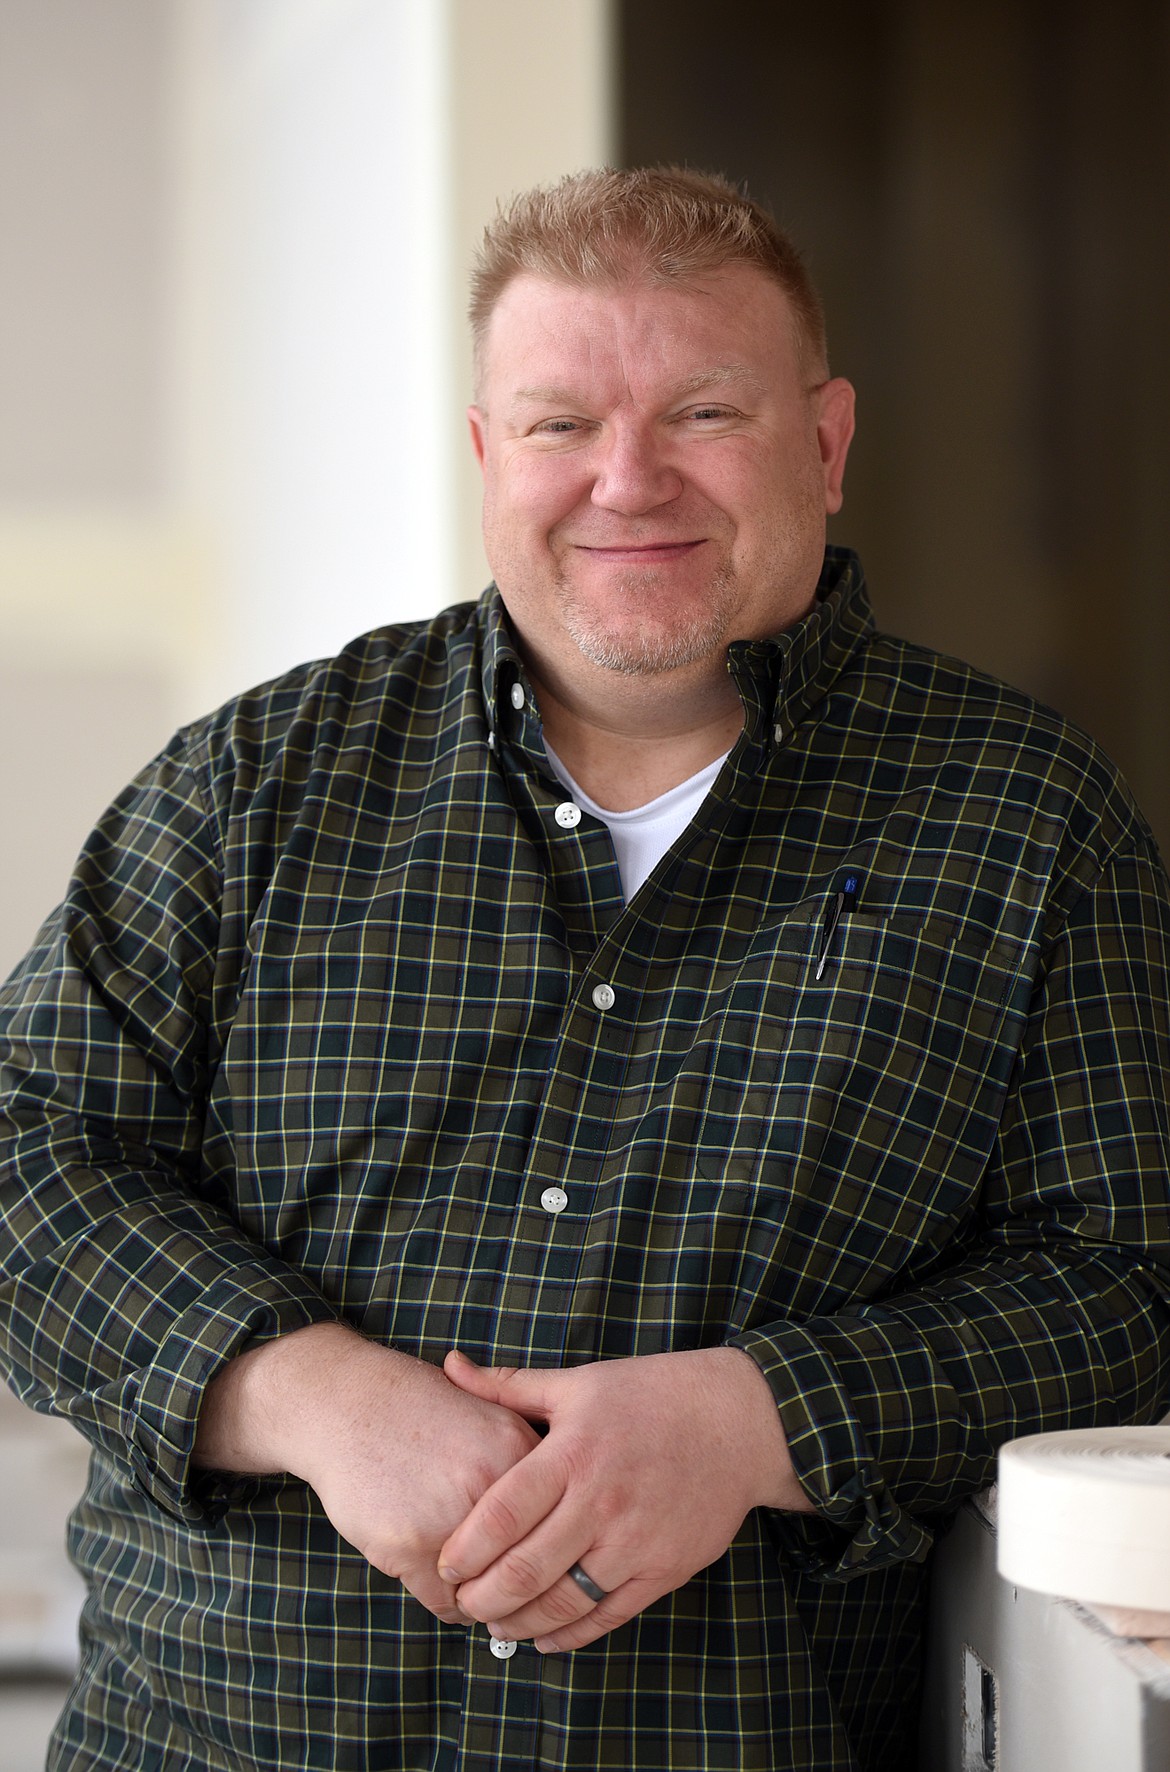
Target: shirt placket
(500,1705)
(587,1065)
(555,1197)
(552,1217)
(608,955)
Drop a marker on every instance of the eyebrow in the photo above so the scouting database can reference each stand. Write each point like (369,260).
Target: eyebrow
(719,375)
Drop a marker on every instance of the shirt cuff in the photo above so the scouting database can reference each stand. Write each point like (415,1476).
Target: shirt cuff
(233,1314)
(861,1527)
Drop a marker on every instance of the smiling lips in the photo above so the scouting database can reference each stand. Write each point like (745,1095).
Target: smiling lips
(640,553)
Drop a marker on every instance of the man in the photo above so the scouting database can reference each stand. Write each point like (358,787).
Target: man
(590,1117)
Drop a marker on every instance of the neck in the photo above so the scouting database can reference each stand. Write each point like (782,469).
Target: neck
(639,746)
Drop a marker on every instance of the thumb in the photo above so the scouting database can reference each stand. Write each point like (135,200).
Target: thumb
(525,1390)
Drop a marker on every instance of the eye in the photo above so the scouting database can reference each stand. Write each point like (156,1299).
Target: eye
(710,417)
(557,427)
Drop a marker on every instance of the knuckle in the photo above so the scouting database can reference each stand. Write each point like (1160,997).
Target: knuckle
(522,1573)
(392,1557)
(563,1604)
(472,1608)
(578,1464)
(598,1623)
(499,1516)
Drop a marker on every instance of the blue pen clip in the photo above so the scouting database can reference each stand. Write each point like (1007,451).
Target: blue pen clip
(843,900)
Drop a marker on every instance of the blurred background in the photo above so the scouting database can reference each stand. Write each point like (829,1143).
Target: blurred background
(234,237)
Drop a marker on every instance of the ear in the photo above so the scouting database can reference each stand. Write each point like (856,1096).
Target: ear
(835,418)
(477,423)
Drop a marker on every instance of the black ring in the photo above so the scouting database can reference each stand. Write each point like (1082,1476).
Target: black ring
(587,1584)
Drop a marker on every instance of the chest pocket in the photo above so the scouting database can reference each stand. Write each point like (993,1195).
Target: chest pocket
(873,1091)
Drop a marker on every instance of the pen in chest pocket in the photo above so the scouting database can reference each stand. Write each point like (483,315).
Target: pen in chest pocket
(843,900)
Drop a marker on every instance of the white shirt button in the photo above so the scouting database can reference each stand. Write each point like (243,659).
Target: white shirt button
(603,997)
(554,1199)
(517,702)
(502,1648)
(567,815)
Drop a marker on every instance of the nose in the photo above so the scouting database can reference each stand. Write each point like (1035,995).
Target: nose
(634,474)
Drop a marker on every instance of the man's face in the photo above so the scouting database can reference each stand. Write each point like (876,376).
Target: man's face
(657,470)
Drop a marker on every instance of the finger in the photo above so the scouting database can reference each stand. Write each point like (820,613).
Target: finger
(533,1573)
(503,1516)
(439,1598)
(524,1389)
(534,1563)
(561,1605)
(617,1608)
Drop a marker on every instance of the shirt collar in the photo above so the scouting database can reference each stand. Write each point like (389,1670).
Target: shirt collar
(780,680)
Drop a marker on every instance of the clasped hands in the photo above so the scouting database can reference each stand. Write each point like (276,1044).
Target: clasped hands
(645,1472)
(642,1475)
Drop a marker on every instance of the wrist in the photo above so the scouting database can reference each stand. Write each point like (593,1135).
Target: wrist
(772,1478)
(259,1408)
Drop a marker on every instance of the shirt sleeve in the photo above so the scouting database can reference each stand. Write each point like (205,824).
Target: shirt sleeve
(125,1284)
(1056,1316)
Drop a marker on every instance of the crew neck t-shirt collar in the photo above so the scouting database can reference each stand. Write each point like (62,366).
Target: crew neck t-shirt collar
(642,835)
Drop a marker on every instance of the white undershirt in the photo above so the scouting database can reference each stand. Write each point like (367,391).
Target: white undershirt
(642,837)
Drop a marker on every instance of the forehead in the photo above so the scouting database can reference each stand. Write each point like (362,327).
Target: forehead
(544,333)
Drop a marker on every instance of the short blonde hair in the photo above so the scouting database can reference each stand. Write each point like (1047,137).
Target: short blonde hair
(655,224)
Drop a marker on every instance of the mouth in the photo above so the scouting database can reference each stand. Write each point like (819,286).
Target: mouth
(630,553)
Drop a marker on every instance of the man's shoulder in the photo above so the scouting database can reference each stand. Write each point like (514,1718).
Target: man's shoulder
(384,680)
(913,701)
(951,700)
(989,742)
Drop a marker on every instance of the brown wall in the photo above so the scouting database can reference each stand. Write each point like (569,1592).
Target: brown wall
(984,194)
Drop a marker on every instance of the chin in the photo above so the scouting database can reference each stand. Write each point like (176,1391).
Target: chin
(647,652)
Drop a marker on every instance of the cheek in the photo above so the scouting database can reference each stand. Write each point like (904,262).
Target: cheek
(735,478)
(538,495)
(784,494)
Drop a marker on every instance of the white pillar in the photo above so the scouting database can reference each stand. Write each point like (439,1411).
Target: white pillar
(321,244)
(342,157)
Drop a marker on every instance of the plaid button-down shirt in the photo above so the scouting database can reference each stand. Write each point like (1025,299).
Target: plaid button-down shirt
(318,1026)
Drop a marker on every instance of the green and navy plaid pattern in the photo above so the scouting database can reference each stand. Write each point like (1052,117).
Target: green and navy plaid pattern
(317,1026)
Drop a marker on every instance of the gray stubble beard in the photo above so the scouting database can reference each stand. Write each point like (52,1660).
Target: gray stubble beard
(648,655)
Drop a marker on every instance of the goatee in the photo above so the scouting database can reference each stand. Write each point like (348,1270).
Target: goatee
(658,646)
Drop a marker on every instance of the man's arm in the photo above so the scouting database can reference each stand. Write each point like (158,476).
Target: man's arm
(132,1303)
(1056,1314)
(124,1285)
